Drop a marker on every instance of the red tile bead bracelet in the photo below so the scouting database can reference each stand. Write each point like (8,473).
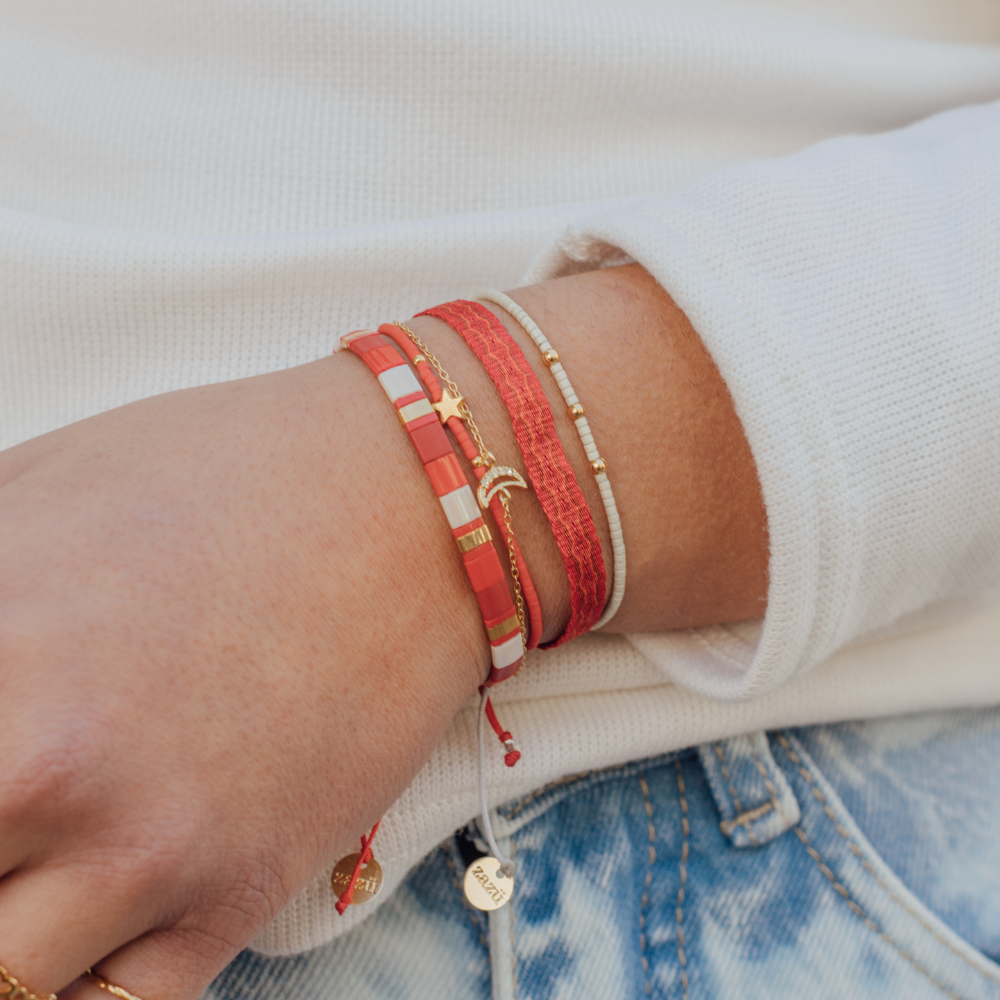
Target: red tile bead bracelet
(448,479)
(481,461)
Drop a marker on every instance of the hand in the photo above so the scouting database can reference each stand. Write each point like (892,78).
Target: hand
(233,625)
(230,633)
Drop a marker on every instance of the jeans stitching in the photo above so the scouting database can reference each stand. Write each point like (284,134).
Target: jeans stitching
(686,830)
(868,866)
(720,753)
(539,792)
(736,801)
(649,881)
(769,785)
(845,894)
(865,919)
(599,774)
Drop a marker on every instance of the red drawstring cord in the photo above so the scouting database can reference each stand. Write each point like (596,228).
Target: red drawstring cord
(510,758)
(513,755)
(366,852)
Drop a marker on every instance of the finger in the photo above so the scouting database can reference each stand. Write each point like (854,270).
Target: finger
(28,826)
(173,964)
(20,846)
(57,921)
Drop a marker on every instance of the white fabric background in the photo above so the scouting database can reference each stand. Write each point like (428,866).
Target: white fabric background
(196,191)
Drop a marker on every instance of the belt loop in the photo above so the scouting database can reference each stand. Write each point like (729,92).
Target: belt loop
(754,800)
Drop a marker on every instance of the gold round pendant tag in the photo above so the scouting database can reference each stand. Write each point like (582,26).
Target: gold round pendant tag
(485,888)
(369,879)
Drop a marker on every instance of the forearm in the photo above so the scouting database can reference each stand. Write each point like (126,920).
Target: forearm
(684,479)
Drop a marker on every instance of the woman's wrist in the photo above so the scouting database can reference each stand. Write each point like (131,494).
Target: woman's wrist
(687,490)
(366,465)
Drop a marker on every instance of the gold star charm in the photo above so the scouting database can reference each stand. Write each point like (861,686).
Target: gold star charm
(450,406)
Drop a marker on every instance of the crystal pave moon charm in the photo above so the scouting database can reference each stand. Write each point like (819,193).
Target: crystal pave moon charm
(369,881)
(500,477)
(485,888)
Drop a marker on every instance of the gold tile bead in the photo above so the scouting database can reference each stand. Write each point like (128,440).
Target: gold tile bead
(411,411)
(499,631)
(576,411)
(473,539)
(550,357)
(418,359)
(598,466)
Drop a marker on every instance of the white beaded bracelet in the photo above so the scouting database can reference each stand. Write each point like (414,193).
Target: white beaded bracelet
(576,412)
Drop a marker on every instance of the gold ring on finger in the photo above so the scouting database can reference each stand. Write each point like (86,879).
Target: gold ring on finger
(98,980)
(11,989)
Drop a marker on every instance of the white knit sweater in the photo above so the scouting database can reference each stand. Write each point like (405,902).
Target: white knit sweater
(196,190)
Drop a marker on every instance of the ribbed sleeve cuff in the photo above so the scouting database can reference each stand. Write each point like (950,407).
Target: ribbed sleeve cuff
(848,296)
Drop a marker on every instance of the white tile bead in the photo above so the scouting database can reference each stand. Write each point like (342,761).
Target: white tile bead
(399,381)
(507,652)
(460,507)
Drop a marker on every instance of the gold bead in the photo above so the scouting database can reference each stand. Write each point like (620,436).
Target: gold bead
(477,462)
(550,357)
(598,466)
(418,359)
(576,411)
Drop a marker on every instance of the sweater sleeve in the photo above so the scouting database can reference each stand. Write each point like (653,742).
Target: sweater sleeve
(850,296)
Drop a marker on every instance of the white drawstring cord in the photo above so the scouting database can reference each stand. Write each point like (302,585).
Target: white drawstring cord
(506,865)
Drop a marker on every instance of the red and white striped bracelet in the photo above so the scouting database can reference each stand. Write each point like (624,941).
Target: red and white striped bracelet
(481,460)
(450,484)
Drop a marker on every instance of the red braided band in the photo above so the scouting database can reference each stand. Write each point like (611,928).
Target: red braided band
(550,473)
(445,472)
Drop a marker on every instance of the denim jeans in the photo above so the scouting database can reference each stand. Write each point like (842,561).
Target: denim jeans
(859,860)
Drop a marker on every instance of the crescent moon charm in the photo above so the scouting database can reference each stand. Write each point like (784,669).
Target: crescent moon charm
(489,487)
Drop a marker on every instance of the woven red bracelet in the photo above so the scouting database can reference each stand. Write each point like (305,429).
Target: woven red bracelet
(550,473)
(402,337)
(482,564)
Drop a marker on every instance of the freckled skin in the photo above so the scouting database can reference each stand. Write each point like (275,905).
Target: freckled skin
(233,625)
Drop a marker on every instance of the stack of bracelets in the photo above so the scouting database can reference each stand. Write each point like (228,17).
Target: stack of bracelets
(427,401)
